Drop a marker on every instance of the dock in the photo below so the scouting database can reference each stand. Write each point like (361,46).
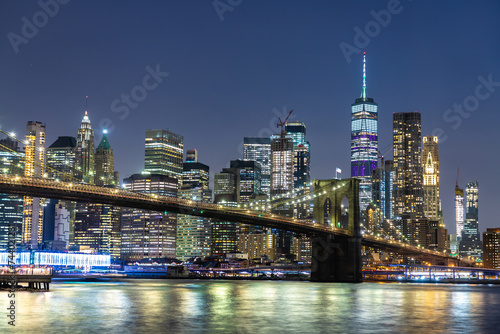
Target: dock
(37,278)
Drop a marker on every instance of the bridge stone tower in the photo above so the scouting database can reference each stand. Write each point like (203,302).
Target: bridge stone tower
(337,258)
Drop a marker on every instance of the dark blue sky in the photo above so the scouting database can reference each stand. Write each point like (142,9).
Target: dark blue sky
(225,77)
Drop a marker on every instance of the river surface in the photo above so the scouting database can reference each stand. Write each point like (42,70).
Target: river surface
(241,307)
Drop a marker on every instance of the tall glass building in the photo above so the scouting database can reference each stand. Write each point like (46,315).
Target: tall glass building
(408,186)
(459,211)
(11,206)
(61,158)
(301,166)
(149,234)
(164,153)
(470,243)
(34,167)
(97,226)
(259,149)
(194,233)
(364,142)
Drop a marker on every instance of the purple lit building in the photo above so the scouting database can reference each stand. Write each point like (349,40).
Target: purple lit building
(364,142)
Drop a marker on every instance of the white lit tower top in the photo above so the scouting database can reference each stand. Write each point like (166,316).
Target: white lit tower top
(85,150)
(364,141)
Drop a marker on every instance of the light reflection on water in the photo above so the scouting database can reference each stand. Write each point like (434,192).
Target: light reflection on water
(192,306)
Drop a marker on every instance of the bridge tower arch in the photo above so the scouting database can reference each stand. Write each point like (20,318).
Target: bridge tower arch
(337,258)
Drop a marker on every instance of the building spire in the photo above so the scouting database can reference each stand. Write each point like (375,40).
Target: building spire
(86,99)
(364,75)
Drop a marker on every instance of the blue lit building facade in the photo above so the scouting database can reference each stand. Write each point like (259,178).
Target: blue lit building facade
(301,166)
(364,142)
(470,243)
(11,206)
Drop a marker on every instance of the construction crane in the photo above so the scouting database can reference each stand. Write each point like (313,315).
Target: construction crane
(282,124)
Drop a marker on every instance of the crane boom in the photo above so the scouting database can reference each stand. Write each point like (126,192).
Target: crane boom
(280,123)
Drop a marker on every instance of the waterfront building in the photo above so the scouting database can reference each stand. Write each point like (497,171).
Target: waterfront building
(59,216)
(97,226)
(164,153)
(258,245)
(491,248)
(259,149)
(148,234)
(194,233)
(11,206)
(282,186)
(227,193)
(34,167)
(364,142)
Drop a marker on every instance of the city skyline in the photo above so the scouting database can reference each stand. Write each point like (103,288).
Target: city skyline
(238,105)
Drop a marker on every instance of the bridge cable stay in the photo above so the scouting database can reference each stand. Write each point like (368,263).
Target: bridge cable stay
(290,201)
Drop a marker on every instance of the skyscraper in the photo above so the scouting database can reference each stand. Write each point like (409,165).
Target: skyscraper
(61,158)
(259,149)
(85,154)
(282,184)
(249,179)
(61,163)
(195,175)
(97,226)
(34,168)
(491,248)
(364,141)
(281,164)
(430,157)
(382,186)
(194,233)
(227,193)
(408,191)
(301,166)
(470,243)
(11,206)
(149,234)
(164,153)
(459,211)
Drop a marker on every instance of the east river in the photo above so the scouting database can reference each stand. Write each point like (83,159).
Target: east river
(240,307)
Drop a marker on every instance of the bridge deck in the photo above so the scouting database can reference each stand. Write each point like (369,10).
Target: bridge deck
(37,187)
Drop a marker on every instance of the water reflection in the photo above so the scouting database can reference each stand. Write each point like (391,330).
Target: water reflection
(155,306)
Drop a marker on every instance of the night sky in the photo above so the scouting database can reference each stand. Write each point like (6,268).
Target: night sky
(226,73)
